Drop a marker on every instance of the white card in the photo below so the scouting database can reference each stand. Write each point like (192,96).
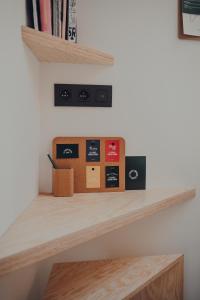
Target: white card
(191,24)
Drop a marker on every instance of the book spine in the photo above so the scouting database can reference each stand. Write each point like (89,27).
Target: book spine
(35,15)
(67,18)
(29,13)
(45,12)
(56,18)
(72,21)
(60,18)
(38,14)
(64,18)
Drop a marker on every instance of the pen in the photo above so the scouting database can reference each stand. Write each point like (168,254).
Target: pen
(51,160)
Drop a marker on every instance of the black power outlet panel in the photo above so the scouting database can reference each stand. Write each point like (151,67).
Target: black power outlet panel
(83,95)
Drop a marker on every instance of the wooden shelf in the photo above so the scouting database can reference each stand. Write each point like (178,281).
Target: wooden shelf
(48,48)
(52,225)
(151,277)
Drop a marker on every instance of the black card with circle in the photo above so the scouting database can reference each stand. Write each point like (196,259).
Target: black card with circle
(66,151)
(135,172)
(112,176)
(93,150)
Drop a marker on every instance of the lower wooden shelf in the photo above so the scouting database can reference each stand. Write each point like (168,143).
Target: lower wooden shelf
(149,278)
(52,225)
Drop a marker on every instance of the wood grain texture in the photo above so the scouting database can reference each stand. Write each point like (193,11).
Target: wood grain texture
(181,34)
(52,225)
(79,165)
(48,48)
(169,286)
(142,278)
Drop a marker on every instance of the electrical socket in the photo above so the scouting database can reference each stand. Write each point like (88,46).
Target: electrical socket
(83,95)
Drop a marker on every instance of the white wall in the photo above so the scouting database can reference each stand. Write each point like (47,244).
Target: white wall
(155,107)
(19,132)
(19,116)
(155,85)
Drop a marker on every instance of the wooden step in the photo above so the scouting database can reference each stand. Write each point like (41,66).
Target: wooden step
(48,48)
(142,278)
(51,225)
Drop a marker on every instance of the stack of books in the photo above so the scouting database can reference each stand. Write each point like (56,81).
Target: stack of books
(56,17)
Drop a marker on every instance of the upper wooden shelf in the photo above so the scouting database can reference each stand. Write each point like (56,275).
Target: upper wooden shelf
(51,225)
(48,48)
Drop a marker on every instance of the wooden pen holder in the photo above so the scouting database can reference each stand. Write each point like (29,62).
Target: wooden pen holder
(63,182)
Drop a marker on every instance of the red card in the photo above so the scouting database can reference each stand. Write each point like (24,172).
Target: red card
(112,150)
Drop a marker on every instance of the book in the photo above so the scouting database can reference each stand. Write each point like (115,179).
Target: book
(56,17)
(64,18)
(45,14)
(29,13)
(191,17)
(60,7)
(54,10)
(72,22)
(35,14)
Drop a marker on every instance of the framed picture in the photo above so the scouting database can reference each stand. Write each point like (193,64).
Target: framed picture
(189,19)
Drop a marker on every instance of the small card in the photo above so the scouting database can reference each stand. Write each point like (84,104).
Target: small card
(112,176)
(65,151)
(191,24)
(112,150)
(135,172)
(93,150)
(93,177)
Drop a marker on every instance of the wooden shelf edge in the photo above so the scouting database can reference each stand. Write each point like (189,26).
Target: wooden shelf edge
(183,36)
(40,251)
(48,48)
(121,278)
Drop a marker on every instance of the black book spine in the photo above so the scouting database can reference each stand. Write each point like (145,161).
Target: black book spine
(52,12)
(38,15)
(29,13)
(67,17)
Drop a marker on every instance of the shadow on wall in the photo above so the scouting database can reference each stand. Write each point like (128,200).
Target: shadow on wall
(21,285)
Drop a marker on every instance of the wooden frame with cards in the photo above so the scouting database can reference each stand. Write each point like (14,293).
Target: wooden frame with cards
(98,162)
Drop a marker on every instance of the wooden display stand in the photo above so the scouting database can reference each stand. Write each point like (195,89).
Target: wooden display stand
(98,162)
